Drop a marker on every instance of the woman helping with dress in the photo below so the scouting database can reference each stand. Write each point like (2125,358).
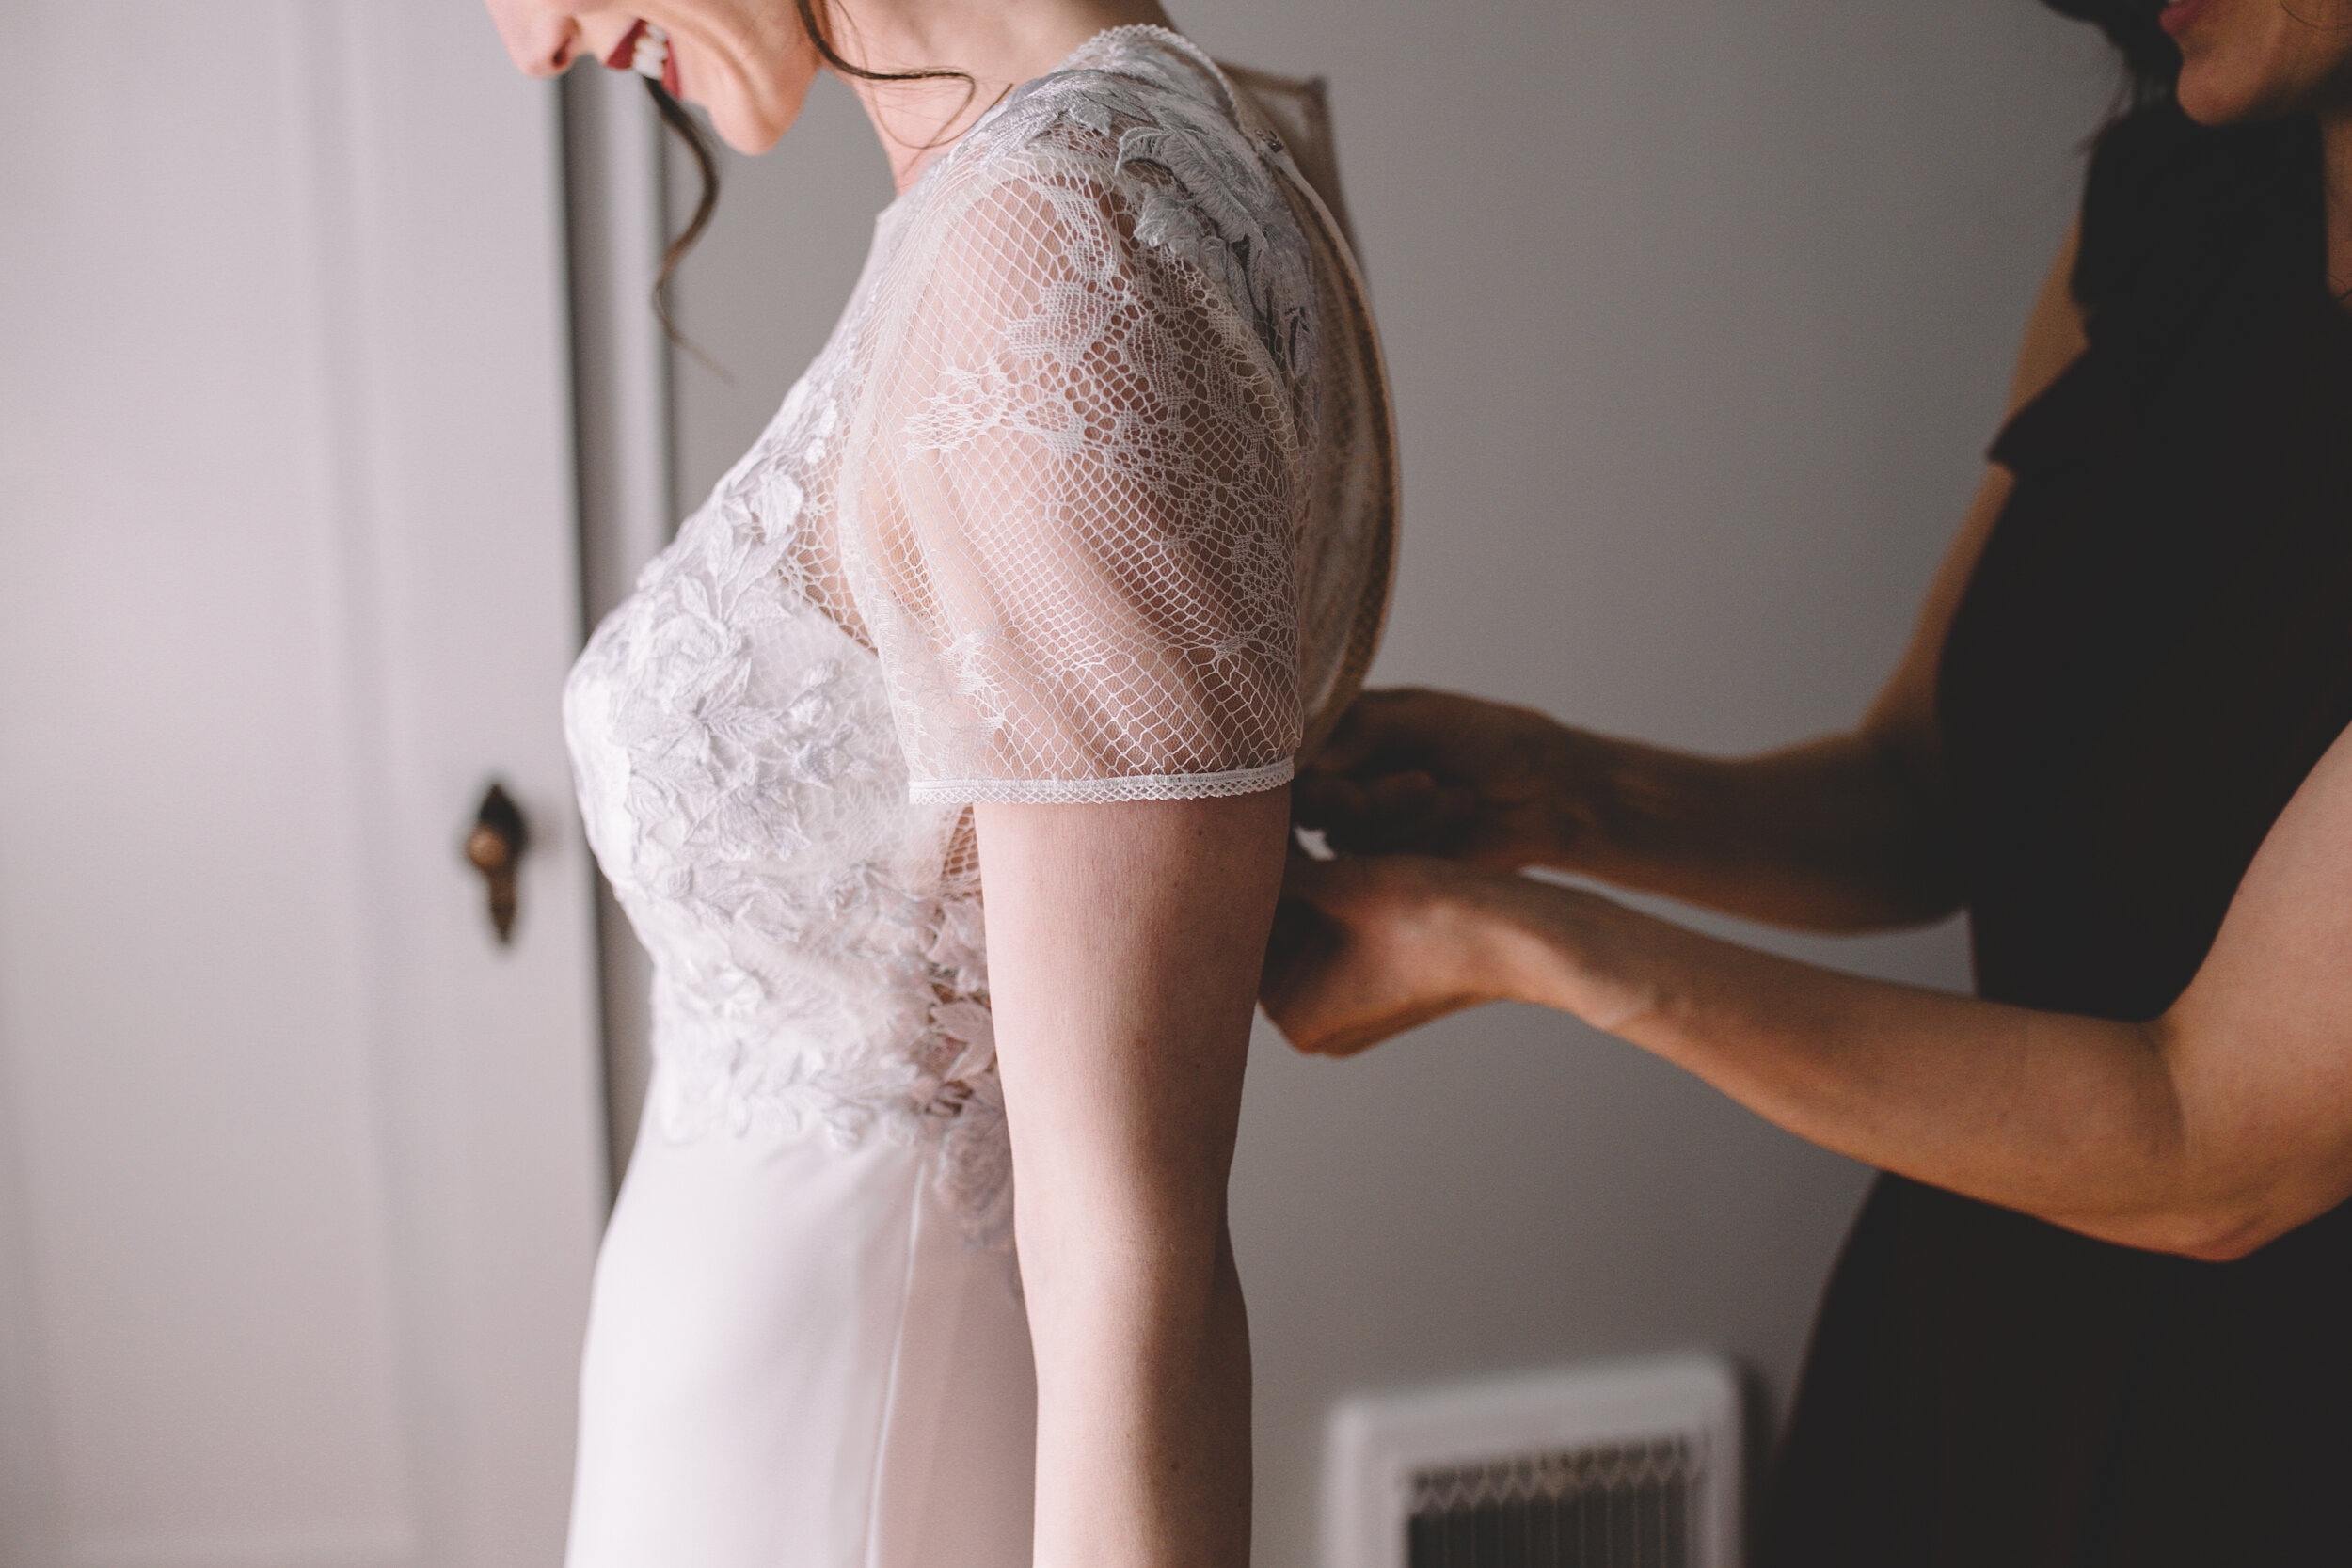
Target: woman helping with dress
(2095,1311)
(1071,539)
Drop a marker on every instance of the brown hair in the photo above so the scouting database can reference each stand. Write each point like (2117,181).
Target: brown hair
(2152,62)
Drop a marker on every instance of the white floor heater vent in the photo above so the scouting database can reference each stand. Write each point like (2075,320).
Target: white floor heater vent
(1630,1465)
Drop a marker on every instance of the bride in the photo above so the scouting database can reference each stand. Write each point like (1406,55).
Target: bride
(1072,538)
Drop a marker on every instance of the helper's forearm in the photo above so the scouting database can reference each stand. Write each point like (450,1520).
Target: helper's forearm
(1835,834)
(2077,1120)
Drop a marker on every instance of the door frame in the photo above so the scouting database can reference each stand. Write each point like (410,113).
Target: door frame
(617,188)
(431,202)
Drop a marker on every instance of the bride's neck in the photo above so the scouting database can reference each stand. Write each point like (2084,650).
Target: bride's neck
(998,43)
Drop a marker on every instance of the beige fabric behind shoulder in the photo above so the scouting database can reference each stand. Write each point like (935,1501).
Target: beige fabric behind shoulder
(1298,109)
(1356,485)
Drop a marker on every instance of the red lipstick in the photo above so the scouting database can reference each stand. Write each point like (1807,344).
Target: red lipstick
(624,54)
(646,50)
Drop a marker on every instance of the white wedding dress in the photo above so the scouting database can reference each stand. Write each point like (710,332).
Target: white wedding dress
(1089,498)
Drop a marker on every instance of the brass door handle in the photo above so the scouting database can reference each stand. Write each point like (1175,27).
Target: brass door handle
(496,846)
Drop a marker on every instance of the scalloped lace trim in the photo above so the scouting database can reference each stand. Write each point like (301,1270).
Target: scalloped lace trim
(1080,792)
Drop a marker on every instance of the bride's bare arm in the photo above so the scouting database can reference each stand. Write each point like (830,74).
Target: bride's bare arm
(1124,943)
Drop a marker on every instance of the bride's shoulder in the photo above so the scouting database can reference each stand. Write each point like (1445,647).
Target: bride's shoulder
(1133,154)
(1140,121)
(1119,109)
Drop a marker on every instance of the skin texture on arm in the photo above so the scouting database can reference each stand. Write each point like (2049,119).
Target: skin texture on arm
(1124,943)
(1849,833)
(2207,1132)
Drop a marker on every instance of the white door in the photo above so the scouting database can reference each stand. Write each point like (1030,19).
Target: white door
(300,1168)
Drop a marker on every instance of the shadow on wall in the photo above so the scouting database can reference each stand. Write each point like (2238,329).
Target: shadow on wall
(1699,320)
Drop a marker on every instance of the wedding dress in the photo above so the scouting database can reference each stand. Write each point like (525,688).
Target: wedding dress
(1089,498)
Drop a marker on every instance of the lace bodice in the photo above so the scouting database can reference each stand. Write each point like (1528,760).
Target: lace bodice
(1089,498)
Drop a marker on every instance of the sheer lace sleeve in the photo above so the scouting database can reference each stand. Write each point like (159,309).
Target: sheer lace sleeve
(1073,489)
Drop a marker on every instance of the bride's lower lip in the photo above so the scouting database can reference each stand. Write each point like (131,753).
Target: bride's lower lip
(2181,14)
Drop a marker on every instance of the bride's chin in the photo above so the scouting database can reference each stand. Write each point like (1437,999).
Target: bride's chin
(746,122)
(747,135)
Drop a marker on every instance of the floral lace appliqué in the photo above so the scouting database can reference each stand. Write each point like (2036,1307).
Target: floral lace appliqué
(1032,526)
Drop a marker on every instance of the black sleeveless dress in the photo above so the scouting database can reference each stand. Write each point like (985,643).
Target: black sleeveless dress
(2156,649)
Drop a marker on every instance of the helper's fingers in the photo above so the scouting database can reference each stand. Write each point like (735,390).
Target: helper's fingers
(1407,813)
(1318,799)
(1309,882)
(1300,943)
(1371,810)
(1394,721)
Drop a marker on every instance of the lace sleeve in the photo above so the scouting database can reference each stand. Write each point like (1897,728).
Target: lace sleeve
(1072,500)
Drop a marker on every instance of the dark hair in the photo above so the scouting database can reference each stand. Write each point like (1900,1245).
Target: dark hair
(689,130)
(2152,62)
(683,125)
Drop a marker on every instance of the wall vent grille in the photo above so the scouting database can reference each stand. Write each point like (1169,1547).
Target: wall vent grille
(1615,1506)
(1623,1466)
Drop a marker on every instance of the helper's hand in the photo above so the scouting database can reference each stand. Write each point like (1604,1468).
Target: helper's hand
(1367,946)
(1434,773)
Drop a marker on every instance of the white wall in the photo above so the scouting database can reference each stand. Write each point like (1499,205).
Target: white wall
(299,1186)
(1700,317)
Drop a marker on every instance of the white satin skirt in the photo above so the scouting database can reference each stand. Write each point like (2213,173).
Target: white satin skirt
(795,1359)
